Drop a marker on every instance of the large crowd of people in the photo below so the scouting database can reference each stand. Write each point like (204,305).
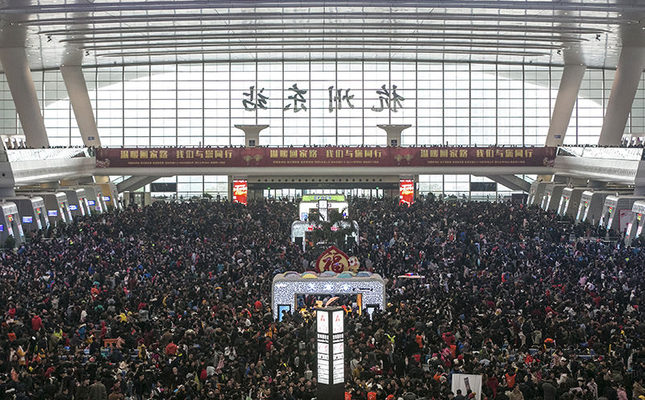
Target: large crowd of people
(172,301)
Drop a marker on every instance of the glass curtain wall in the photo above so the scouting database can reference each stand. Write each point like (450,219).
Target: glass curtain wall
(321,103)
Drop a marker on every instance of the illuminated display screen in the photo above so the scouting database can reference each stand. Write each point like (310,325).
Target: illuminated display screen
(322,323)
(329,197)
(91,202)
(338,347)
(240,191)
(406,191)
(73,207)
(1,228)
(331,365)
(52,213)
(107,198)
(27,220)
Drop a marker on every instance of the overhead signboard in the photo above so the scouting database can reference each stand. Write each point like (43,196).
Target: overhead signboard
(162,187)
(483,186)
(328,197)
(299,157)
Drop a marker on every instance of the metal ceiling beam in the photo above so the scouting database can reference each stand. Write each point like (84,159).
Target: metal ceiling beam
(548,29)
(206,4)
(308,16)
(325,35)
(375,50)
(323,45)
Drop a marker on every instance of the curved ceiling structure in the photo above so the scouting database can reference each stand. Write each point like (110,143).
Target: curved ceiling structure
(108,32)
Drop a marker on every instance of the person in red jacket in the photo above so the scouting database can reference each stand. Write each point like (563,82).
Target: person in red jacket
(171,349)
(36,323)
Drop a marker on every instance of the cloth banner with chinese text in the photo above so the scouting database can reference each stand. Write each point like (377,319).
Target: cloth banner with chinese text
(325,157)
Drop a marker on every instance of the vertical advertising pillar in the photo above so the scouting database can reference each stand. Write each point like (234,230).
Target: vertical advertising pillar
(240,191)
(406,192)
(331,353)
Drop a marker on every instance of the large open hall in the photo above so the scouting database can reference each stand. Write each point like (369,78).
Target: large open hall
(322,200)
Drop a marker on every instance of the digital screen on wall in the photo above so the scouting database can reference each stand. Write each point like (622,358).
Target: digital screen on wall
(483,186)
(91,202)
(52,213)
(240,191)
(406,191)
(73,207)
(27,220)
(163,187)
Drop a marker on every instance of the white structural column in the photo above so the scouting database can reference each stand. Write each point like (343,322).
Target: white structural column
(80,99)
(567,95)
(251,134)
(23,91)
(623,90)
(393,133)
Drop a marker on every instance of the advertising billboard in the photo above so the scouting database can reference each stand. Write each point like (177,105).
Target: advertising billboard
(240,191)
(406,192)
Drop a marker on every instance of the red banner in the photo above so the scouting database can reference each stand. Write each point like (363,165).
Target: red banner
(240,190)
(325,157)
(406,192)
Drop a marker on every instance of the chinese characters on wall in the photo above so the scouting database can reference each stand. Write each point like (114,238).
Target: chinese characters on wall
(339,98)
(326,156)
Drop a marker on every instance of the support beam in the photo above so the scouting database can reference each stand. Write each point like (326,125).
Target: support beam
(511,181)
(7,182)
(628,75)
(393,133)
(564,103)
(16,68)
(251,134)
(135,182)
(78,96)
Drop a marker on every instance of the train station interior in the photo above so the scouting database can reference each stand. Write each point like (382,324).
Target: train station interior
(286,200)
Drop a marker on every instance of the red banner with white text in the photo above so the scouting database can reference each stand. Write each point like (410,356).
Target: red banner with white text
(264,157)
(240,191)
(406,192)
